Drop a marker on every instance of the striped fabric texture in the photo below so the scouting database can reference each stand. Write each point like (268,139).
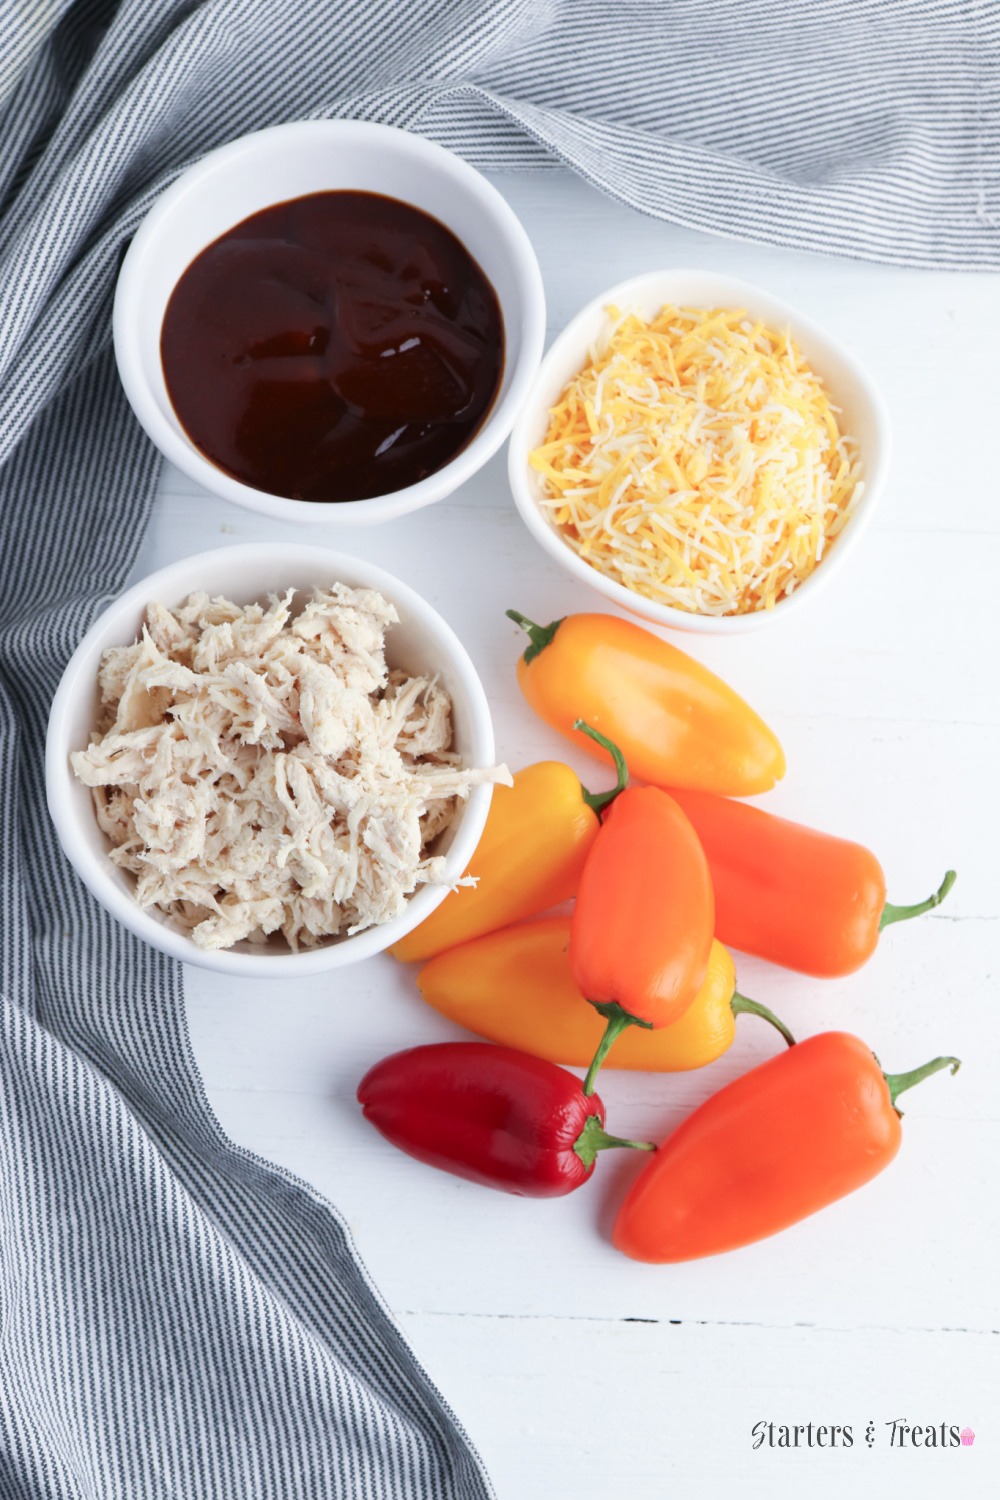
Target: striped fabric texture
(177,1317)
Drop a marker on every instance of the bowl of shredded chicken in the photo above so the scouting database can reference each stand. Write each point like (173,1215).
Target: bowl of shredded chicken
(699,452)
(291,772)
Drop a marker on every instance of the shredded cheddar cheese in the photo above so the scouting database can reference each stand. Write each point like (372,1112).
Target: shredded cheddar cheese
(697,460)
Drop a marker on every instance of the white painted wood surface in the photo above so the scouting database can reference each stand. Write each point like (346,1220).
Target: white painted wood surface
(577,1373)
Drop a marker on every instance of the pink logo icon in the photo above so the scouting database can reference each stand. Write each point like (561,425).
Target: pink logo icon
(968,1437)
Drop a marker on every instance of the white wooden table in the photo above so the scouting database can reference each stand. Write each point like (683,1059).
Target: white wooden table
(576,1372)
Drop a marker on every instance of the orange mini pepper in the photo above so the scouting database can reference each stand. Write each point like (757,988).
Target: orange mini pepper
(537,836)
(677,723)
(515,987)
(642,926)
(793,895)
(794,1134)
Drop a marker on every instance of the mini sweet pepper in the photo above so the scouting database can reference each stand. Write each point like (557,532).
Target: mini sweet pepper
(515,987)
(491,1114)
(676,723)
(531,855)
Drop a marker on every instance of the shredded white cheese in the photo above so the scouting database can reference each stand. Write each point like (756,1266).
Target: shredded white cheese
(260,772)
(697,460)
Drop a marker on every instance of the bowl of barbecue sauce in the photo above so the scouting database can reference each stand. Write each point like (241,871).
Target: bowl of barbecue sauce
(329,321)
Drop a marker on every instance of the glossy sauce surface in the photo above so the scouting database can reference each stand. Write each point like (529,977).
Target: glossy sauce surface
(334,347)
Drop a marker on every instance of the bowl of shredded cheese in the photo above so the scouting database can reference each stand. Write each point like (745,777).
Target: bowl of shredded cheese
(699,452)
(270,759)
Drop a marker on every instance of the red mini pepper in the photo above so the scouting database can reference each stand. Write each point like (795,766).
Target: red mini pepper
(492,1114)
(780,1143)
(790,894)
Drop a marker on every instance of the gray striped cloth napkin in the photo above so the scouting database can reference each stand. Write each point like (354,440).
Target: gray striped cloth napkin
(177,1317)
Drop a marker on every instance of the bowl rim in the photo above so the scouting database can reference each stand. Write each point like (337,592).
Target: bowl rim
(79,677)
(735,290)
(498,420)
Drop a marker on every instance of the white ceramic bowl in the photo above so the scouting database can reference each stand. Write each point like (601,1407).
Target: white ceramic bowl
(421,642)
(863,416)
(289,161)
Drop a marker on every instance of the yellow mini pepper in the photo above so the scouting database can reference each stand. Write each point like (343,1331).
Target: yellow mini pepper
(677,724)
(515,987)
(538,834)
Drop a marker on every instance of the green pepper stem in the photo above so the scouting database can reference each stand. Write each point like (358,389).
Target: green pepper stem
(540,635)
(892,914)
(598,801)
(742,1006)
(593,1138)
(900,1082)
(617,1019)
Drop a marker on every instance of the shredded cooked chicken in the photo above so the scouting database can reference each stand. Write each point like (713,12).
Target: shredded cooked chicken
(262,772)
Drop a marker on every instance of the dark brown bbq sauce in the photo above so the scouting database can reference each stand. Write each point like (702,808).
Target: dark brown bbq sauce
(334,347)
